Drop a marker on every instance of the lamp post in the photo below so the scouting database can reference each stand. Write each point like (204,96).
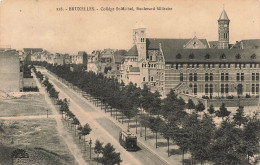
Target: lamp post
(90,142)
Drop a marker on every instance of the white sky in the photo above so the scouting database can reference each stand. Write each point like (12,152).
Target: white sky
(36,23)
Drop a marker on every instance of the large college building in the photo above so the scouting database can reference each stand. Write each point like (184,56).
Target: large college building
(194,66)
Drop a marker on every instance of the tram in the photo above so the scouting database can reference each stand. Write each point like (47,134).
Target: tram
(128,141)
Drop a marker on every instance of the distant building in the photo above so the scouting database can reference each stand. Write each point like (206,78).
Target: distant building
(107,61)
(10,71)
(80,58)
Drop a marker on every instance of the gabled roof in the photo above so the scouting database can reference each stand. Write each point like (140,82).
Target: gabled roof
(215,55)
(153,43)
(134,69)
(223,16)
(132,52)
(195,43)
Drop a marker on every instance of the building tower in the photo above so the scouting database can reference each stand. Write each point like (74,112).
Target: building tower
(139,37)
(223,30)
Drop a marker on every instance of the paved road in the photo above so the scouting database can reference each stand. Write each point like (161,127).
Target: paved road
(104,129)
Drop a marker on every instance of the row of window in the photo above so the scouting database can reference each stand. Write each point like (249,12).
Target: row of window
(149,65)
(237,65)
(222,56)
(224,77)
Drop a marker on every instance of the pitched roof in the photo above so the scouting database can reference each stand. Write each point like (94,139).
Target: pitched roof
(213,44)
(134,69)
(153,43)
(132,52)
(215,55)
(223,16)
(251,44)
(118,55)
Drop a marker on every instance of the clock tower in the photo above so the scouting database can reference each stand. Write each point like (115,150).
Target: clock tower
(223,31)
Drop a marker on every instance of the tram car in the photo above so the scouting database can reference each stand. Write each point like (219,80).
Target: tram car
(128,141)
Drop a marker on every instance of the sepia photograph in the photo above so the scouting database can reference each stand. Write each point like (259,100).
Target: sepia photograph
(129,82)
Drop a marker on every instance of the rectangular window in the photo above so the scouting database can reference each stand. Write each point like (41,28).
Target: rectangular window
(211,89)
(226,76)
(177,66)
(195,77)
(253,88)
(222,76)
(242,76)
(238,77)
(253,76)
(226,88)
(195,89)
(222,88)
(206,77)
(190,78)
(251,65)
(257,88)
(143,78)
(181,65)
(228,65)
(257,77)
(181,76)
(206,89)
(213,65)
(211,76)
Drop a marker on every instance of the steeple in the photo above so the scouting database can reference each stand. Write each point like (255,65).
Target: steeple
(223,30)
(223,16)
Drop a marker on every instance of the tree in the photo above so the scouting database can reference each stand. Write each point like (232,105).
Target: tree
(110,157)
(85,131)
(226,147)
(173,108)
(167,130)
(202,138)
(98,148)
(223,112)
(251,137)
(75,122)
(190,104)
(200,107)
(211,109)
(144,120)
(154,124)
(239,118)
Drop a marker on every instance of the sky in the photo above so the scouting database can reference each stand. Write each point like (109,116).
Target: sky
(37,23)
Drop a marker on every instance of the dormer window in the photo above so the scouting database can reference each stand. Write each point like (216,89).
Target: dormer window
(223,56)
(207,56)
(238,56)
(253,56)
(191,56)
(178,56)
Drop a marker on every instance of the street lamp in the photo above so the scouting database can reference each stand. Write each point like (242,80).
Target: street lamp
(90,142)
